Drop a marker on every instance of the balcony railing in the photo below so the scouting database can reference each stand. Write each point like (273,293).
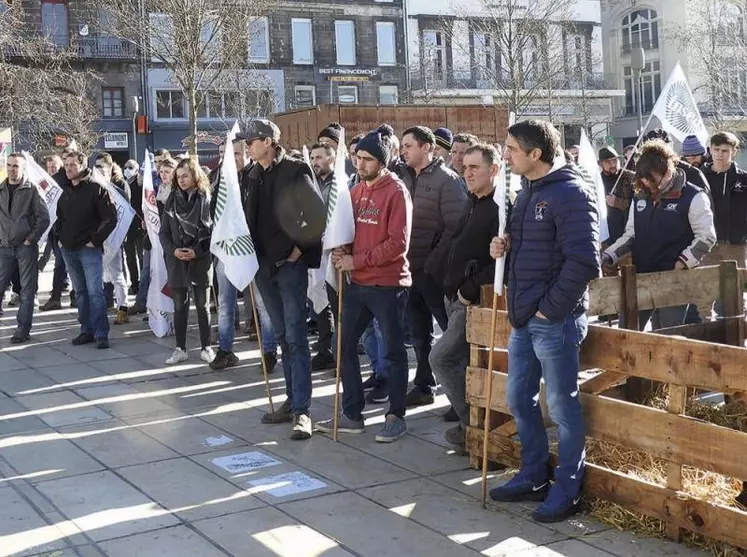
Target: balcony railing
(651,44)
(458,80)
(91,48)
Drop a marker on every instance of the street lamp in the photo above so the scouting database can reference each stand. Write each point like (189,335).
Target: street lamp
(637,63)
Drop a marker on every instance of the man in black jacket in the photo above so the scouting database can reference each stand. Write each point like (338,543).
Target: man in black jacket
(85,217)
(618,187)
(23,219)
(133,244)
(286,217)
(469,266)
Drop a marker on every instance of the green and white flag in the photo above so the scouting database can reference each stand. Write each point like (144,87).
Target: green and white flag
(231,241)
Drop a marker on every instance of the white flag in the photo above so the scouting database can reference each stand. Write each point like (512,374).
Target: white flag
(587,162)
(499,196)
(125,214)
(340,229)
(231,241)
(160,305)
(316,291)
(677,110)
(49,190)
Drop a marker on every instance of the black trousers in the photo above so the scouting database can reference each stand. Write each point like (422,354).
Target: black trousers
(181,314)
(326,321)
(133,247)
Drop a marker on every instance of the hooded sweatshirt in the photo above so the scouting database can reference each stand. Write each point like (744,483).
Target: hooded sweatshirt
(383,222)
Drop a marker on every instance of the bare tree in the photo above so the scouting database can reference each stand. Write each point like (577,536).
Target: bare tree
(203,44)
(42,92)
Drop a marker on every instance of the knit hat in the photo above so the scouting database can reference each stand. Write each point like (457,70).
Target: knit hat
(378,144)
(692,147)
(332,131)
(607,153)
(444,138)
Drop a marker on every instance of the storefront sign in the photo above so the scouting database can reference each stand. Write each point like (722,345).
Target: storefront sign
(350,74)
(203,137)
(116,141)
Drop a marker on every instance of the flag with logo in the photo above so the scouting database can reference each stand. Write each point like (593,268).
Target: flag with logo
(231,242)
(587,163)
(316,291)
(677,110)
(160,305)
(49,190)
(125,214)
(500,196)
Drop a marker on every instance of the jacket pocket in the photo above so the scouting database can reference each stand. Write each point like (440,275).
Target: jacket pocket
(20,228)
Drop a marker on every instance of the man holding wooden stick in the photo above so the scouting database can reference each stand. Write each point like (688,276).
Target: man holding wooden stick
(552,244)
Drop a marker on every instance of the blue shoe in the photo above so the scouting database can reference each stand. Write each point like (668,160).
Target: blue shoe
(557,506)
(521,488)
(393,429)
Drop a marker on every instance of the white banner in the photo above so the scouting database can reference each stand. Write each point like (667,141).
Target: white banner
(49,190)
(125,214)
(160,305)
(587,162)
(677,110)
(499,196)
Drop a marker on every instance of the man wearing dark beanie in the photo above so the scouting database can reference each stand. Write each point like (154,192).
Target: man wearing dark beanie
(378,286)
(438,197)
(330,135)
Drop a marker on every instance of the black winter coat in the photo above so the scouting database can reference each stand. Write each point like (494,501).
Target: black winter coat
(85,213)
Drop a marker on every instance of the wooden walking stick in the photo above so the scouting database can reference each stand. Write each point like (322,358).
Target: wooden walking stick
(259,342)
(338,330)
(488,400)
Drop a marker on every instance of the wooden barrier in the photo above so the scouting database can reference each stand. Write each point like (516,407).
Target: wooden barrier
(699,356)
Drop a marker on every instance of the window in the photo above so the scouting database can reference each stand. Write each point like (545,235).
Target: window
(433,58)
(259,41)
(54,21)
(303,43)
(210,40)
(228,105)
(305,96)
(388,94)
(347,94)
(730,23)
(345,43)
(650,87)
(640,29)
(385,44)
(112,99)
(257,103)
(170,105)
(484,59)
(161,37)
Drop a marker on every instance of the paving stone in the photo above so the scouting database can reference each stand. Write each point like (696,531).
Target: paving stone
(22,530)
(268,532)
(62,408)
(9,363)
(179,541)
(37,356)
(26,382)
(129,370)
(567,548)
(104,506)
(47,457)
(79,375)
(182,395)
(189,490)
(625,543)
(122,400)
(88,352)
(189,435)
(16,420)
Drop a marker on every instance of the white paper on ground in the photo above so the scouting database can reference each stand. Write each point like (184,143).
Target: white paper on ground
(245,462)
(287,484)
(217,441)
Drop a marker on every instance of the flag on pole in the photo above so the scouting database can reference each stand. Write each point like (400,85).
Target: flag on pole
(340,229)
(499,196)
(316,291)
(49,190)
(231,241)
(587,162)
(677,110)
(125,214)
(160,305)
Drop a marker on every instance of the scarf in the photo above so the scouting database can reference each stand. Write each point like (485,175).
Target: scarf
(192,213)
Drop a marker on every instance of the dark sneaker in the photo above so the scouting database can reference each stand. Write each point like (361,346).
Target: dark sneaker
(19,338)
(379,394)
(361,349)
(301,427)
(51,305)
(83,338)
(73,299)
(393,429)
(323,360)
(557,507)
(344,425)
(451,415)
(456,436)
(281,415)
(271,360)
(224,359)
(102,343)
(370,383)
(418,397)
(137,310)
(521,488)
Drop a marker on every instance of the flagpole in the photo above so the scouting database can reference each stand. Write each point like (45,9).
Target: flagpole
(488,401)
(259,342)
(338,330)
(635,147)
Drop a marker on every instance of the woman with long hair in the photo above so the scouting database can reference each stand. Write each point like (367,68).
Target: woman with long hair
(185,237)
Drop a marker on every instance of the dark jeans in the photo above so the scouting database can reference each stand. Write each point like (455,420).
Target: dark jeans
(387,305)
(85,266)
(326,325)
(283,290)
(181,314)
(426,302)
(141,299)
(59,277)
(21,260)
(133,247)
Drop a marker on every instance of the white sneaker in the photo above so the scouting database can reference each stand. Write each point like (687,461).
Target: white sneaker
(179,355)
(207,355)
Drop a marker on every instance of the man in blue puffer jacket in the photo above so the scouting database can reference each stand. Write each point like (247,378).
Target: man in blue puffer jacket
(552,242)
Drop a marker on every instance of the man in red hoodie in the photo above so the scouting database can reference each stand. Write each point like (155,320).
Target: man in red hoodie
(377,284)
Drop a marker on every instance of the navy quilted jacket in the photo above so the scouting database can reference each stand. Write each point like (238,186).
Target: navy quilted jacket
(554,254)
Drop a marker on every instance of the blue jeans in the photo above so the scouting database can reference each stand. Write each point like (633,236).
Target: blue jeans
(373,343)
(549,350)
(85,266)
(284,294)
(141,299)
(21,259)
(387,305)
(426,302)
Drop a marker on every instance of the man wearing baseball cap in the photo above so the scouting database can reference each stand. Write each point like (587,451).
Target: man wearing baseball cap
(618,186)
(286,217)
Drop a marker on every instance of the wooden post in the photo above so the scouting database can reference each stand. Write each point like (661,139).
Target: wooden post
(730,287)
(635,387)
(259,343)
(676,405)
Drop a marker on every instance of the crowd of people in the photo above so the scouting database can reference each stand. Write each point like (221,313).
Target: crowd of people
(426,240)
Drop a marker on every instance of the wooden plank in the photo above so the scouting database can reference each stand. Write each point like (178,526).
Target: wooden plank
(698,286)
(675,405)
(663,435)
(709,331)
(636,388)
(602,382)
(732,301)
(714,521)
(666,359)
(478,357)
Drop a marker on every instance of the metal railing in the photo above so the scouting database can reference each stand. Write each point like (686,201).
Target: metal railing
(91,48)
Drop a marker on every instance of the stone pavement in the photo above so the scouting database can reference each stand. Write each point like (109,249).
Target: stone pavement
(109,452)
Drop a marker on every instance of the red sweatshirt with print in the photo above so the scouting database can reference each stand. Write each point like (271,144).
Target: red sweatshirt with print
(383,221)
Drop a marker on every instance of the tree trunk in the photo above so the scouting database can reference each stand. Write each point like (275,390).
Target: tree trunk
(192,102)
